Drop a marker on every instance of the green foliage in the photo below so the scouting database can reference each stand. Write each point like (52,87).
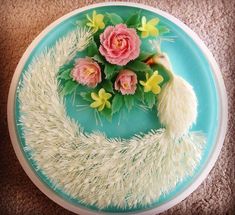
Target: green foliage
(114,18)
(66,67)
(144,56)
(129,101)
(86,96)
(65,75)
(134,20)
(117,103)
(118,68)
(140,75)
(92,49)
(138,66)
(108,86)
(69,87)
(109,71)
(99,58)
(150,99)
(139,93)
(107,113)
(96,38)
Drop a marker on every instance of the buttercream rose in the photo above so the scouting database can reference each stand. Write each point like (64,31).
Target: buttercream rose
(86,72)
(119,44)
(126,82)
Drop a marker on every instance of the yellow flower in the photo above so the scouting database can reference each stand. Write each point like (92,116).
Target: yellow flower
(101,100)
(96,22)
(152,83)
(149,28)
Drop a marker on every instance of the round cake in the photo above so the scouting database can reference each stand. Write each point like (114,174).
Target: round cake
(117,108)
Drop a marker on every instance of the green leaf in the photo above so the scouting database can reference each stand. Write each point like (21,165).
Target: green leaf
(114,18)
(139,94)
(129,101)
(69,87)
(99,58)
(92,49)
(86,96)
(150,99)
(65,75)
(96,38)
(134,20)
(109,71)
(66,67)
(163,30)
(107,113)
(144,56)
(117,103)
(118,68)
(108,86)
(138,66)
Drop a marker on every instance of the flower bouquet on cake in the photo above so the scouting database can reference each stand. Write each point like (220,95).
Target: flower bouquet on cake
(115,72)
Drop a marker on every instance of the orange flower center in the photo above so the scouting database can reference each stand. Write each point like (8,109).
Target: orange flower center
(89,71)
(117,42)
(125,85)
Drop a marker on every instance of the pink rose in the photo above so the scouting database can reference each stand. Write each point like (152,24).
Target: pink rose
(86,72)
(126,82)
(119,44)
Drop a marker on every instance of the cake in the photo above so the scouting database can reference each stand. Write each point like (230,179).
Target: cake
(109,65)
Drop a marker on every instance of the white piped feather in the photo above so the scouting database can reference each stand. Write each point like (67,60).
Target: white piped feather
(177,102)
(177,106)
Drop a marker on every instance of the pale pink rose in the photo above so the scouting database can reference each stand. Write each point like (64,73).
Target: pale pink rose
(86,72)
(119,44)
(126,82)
